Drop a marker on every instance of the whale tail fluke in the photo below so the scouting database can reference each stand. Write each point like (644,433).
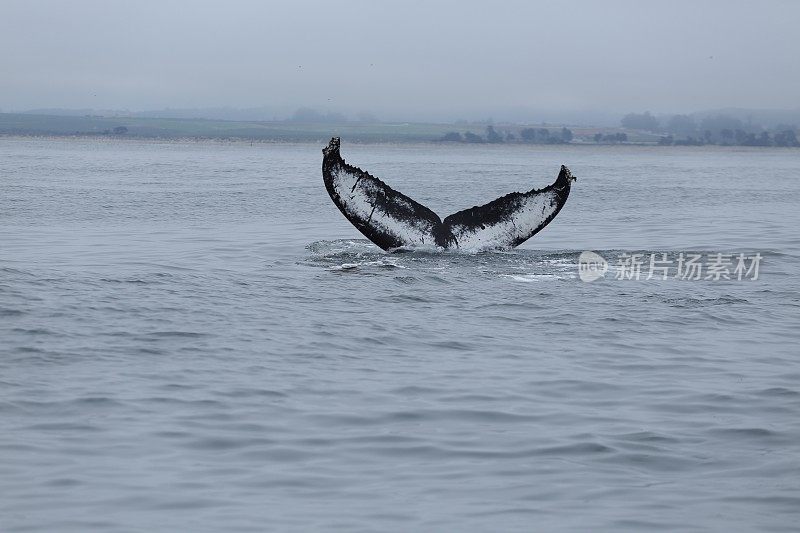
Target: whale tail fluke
(391,219)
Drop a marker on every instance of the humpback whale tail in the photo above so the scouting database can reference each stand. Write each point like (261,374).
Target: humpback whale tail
(391,219)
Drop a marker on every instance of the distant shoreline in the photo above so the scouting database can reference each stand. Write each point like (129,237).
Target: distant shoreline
(118,128)
(322,141)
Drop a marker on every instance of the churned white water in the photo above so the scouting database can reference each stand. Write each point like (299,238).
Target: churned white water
(193,338)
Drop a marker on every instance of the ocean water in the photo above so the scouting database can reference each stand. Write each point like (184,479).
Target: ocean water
(192,338)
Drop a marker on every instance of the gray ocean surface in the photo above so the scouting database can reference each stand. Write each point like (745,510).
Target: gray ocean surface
(193,338)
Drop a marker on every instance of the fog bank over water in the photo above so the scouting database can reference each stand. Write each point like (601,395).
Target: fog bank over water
(410,61)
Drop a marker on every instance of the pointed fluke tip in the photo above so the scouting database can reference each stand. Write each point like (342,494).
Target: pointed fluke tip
(333,146)
(565,176)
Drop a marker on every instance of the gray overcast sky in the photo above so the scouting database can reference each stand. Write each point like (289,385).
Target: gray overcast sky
(401,59)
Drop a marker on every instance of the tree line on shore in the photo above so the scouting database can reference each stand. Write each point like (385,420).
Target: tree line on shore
(526,135)
(713,129)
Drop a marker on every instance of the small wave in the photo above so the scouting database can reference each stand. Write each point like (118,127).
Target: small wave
(381,264)
(581,448)
(251,393)
(655,460)
(689,302)
(751,432)
(64,482)
(65,426)
(168,334)
(408,298)
(531,278)
(32,331)
(10,270)
(451,345)
(779,391)
(97,401)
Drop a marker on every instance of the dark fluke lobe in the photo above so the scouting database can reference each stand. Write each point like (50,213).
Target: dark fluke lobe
(391,219)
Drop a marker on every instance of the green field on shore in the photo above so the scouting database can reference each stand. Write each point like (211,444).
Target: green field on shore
(29,124)
(195,128)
